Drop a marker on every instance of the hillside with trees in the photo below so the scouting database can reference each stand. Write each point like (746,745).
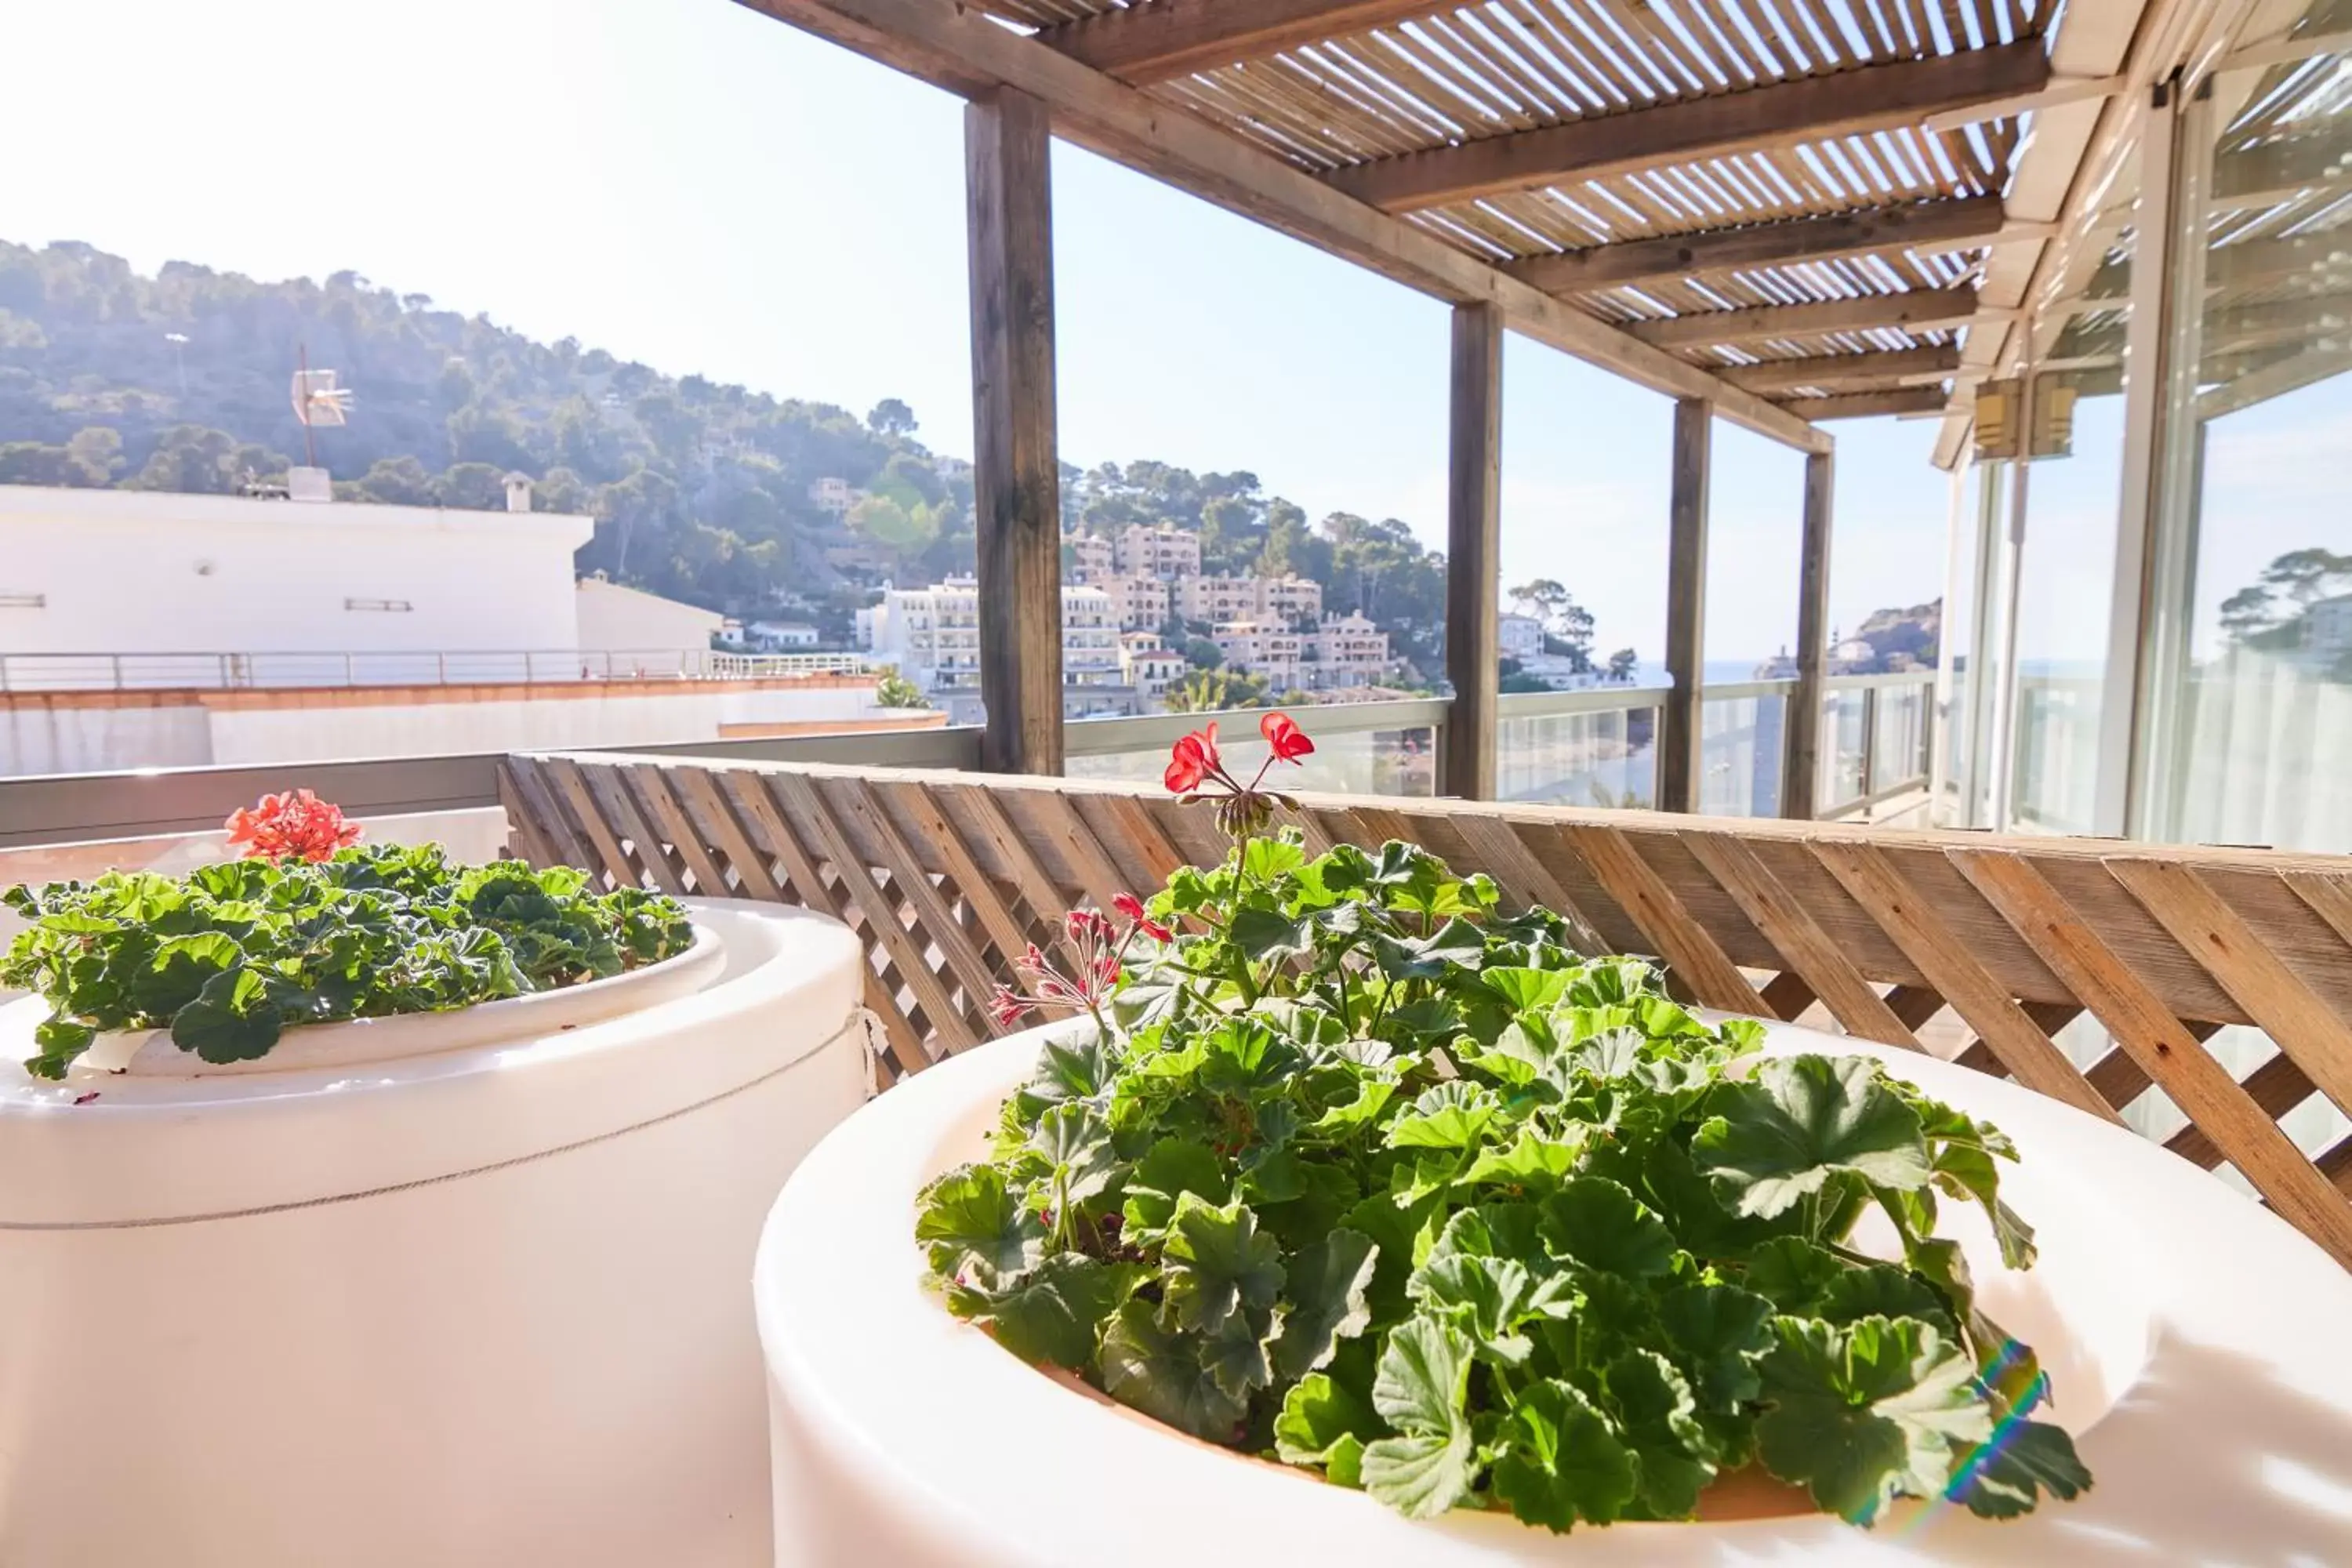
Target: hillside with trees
(701,490)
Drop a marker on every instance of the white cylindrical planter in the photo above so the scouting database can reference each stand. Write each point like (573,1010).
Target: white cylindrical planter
(2195,1343)
(479,1305)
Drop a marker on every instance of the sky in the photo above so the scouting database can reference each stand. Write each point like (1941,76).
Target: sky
(695,185)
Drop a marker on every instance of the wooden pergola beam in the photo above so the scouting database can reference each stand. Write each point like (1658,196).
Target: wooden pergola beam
(1801,723)
(1783,114)
(1845,372)
(1473,551)
(1869,405)
(1170,38)
(1686,519)
(1923,311)
(1929,226)
(956,48)
(1016,472)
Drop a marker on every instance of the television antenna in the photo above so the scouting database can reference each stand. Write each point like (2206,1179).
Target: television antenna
(318,401)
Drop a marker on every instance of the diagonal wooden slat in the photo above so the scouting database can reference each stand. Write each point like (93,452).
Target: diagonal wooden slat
(751,797)
(1169,38)
(1059,821)
(801,801)
(2273,995)
(922,808)
(569,782)
(653,793)
(1913,1006)
(2330,899)
(711,812)
(1646,899)
(2278,1086)
(1788,995)
(1047,899)
(2023,1048)
(1514,865)
(2144,1027)
(527,831)
(932,916)
(1129,832)
(1811,953)
(621,811)
(536,798)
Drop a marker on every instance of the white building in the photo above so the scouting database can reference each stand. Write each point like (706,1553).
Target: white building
(1161,552)
(1151,667)
(1139,603)
(1252,598)
(833,494)
(1090,557)
(783,634)
(152,629)
(1518,637)
(618,619)
(932,634)
(1347,651)
(1270,648)
(138,571)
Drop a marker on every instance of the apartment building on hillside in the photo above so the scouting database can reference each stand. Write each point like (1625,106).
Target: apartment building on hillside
(1161,552)
(1219,599)
(1140,603)
(932,636)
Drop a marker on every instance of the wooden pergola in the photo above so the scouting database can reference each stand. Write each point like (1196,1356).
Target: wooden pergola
(1777,211)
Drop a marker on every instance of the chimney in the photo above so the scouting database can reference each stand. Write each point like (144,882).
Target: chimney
(518,493)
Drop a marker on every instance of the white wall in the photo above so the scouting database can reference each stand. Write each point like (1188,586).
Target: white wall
(131,572)
(616,619)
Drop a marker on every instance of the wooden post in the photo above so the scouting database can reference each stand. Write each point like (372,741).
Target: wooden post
(1474,550)
(1678,729)
(1803,723)
(1016,478)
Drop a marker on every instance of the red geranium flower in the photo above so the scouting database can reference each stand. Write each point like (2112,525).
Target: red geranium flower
(1194,758)
(293,827)
(1140,919)
(1281,732)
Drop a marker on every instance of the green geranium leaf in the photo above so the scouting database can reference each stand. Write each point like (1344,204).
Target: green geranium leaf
(2007,1477)
(1770,1142)
(1164,1374)
(1532,1161)
(59,1041)
(231,1019)
(1560,1462)
(1421,1388)
(1485,1297)
(1218,1264)
(1862,1414)
(1456,943)
(1372,1093)
(1450,1116)
(1053,1313)
(1076,1143)
(1657,1415)
(1324,1301)
(1326,1423)
(1792,1273)
(1262,935)
(1718,1332)
(1526,990)
(1602,1225)
(969,1217)
(1168,1169)
(1881,1290)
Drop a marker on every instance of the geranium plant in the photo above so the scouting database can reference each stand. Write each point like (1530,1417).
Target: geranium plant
(1358,1172)
(310,929)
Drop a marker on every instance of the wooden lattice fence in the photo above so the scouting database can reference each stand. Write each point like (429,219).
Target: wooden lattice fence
(1886,935)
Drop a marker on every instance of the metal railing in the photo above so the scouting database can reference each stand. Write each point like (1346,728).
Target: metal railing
(356,667)
(1589,747)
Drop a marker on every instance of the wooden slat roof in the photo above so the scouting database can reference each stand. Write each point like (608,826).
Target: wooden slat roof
(1643,162)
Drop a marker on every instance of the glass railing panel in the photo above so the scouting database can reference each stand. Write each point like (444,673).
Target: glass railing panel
(1605,757)
(1839,756)
(1359,750)
(2057,752)
(1899,752)
(1739,755)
